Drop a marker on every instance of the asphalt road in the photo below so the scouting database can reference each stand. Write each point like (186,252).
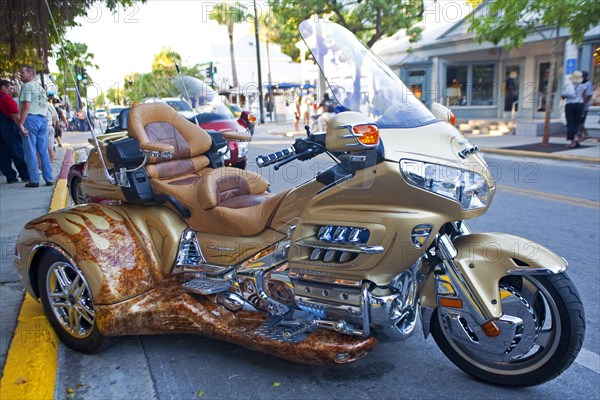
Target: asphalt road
(551,202)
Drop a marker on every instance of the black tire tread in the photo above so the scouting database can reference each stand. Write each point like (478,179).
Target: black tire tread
(569,303)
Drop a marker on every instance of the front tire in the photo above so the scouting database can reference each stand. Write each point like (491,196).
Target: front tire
(68,303)
(78,193)
(549,339)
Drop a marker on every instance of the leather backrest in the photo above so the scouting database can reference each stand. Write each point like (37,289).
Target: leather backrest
(158,122)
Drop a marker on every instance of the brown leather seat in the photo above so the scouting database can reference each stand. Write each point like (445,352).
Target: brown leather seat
(226,201)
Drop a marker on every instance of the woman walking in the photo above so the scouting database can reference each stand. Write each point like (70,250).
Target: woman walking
(573,95)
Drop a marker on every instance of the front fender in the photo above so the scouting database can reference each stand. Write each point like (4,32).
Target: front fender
(485,258)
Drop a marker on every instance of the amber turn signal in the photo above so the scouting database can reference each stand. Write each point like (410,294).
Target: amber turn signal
(490,329)
(452,119)
(367,134)
(251,118)
(451,303)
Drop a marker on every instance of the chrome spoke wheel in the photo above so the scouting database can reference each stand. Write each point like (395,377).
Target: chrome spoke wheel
(71,299)
(539,334)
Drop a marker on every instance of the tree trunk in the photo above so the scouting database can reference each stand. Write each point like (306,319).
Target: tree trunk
(232,55)
(550,87)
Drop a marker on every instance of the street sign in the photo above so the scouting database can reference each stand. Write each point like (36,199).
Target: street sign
(570,66)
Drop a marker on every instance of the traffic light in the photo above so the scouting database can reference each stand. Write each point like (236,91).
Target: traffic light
(209,70)
(79,73)
(84,75)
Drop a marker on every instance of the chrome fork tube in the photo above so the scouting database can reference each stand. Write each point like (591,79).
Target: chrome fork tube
(473,306)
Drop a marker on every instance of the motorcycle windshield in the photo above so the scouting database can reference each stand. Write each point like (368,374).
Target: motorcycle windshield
(359,80)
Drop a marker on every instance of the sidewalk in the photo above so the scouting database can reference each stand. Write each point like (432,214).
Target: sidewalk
(510,145)
(18,205)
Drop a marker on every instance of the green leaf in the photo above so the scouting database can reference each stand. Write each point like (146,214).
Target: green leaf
(200,393)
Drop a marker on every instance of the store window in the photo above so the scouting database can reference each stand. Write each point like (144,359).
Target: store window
(456,85)
(479,78)
(595,75)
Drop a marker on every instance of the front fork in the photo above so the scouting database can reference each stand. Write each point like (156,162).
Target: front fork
(465,276)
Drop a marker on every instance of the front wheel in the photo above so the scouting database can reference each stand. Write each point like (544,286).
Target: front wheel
(542,335)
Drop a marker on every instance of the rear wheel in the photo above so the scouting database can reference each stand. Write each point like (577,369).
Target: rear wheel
(68,303)
(78,193)
(542,331)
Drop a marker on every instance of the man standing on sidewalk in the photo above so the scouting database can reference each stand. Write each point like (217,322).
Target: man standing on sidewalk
(11,144)
(33,126)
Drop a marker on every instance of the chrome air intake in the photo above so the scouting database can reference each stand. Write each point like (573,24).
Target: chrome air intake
(338,244)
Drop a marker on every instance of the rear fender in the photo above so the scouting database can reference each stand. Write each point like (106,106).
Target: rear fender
(484,258)
(122,250)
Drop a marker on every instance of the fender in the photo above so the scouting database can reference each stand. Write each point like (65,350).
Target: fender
(484,258)
(124,250)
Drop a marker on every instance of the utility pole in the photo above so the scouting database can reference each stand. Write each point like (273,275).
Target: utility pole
(260,95)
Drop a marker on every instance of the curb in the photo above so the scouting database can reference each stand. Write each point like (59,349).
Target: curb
(32,358)
(535,154)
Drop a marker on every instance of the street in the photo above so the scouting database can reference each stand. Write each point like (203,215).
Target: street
(552,202)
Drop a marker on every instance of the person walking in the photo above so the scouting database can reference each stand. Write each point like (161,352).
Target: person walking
(587,102)
(573,95)
(52,117)
(33,126)
(11,144)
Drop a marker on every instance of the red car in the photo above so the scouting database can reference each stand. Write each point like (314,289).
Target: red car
(211,117)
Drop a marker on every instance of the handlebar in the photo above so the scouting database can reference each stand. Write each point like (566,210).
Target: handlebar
(264,161)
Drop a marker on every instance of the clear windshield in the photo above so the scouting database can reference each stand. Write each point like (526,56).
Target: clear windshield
(359,80)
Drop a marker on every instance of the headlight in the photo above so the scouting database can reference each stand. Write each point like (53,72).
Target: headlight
(468,188)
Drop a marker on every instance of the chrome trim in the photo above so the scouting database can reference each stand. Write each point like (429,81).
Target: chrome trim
(470,149)
(341,247)
(234,302)
(189,238)
(325,279)
(157,153)
(536,271)
(446,247)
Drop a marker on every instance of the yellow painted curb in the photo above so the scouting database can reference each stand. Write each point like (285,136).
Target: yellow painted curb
(32,360)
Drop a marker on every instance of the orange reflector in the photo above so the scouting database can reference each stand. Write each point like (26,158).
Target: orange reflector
(452,303)
(452,118)
(370,134)
(251,117)
(490,329)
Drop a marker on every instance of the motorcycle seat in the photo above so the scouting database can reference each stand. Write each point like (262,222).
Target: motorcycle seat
(226,201)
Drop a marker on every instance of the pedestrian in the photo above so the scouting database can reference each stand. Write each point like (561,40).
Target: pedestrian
(52,118)
(58,128)
(80,120)
(587,102)
(297,114)
(573,95)
(11,144)
(33,126)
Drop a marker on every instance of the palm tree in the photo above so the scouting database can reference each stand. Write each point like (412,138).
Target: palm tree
(229,14)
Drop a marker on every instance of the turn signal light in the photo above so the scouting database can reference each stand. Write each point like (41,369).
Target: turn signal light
(251,118)
(452,119)
(451,303)
(490,329)
(367,134)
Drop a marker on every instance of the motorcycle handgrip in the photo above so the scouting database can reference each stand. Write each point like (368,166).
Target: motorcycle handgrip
(264,161)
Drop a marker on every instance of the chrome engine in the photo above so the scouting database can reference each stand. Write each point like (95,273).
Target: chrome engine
(301,303)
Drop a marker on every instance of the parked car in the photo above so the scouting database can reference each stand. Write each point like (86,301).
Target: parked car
(178,104)
(214,116)
(114,111)
(101,113)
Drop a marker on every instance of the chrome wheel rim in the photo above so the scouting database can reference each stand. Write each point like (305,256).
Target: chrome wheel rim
(70,298)
(534,300)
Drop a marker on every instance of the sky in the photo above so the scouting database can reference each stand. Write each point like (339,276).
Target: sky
(127,41)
